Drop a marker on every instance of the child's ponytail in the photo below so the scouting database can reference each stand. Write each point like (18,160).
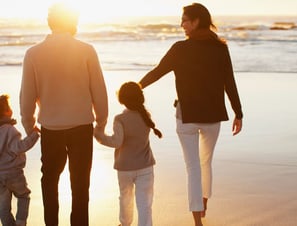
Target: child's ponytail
(131,95)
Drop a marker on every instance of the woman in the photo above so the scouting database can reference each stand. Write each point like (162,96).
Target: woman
(203,73)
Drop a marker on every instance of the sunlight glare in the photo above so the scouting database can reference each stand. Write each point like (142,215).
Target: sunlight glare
(95,11)
(98,11)
(89,10)
(103,184)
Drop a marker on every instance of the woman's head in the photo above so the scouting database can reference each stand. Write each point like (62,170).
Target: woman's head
(199,14)
(131,95)
(62,18)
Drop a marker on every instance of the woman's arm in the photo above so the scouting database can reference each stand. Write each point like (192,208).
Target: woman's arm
(164,67)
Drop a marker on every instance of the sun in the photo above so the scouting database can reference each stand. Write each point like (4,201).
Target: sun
(89,11)
(96,11)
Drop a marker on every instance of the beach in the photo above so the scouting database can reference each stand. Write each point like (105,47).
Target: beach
(254,172)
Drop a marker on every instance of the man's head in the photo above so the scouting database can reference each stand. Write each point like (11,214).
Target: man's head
(62,18)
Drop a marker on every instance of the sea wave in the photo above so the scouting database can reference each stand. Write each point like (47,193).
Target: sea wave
(256,44)
(11,34)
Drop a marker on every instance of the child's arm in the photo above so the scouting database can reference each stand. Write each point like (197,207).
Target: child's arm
(115,140)
(17,144)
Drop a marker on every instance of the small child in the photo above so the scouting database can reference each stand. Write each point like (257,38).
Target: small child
(12,162)
(133,157)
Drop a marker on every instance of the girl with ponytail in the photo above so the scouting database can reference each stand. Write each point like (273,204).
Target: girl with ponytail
(133,158)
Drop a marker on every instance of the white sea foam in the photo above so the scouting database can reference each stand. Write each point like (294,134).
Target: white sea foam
(257,44)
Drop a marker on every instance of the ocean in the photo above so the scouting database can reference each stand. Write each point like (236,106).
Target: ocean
(257,44)
(253,171)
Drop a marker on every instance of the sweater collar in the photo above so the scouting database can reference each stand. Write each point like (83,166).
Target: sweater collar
(59,35)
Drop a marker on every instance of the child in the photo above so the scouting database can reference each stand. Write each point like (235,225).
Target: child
(134,159)
(12,162)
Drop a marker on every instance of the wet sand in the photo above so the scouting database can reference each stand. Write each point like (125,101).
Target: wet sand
(254,172)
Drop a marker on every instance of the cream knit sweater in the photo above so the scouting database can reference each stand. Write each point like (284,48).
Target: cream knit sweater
(62,75)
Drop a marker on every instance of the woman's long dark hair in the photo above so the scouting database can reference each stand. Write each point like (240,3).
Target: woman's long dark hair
(131,95)
(197,10)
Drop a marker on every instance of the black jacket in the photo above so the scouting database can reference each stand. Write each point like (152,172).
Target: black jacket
(203,72)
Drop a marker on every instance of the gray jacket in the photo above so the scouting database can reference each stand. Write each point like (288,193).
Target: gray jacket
(135,152)
(13,147)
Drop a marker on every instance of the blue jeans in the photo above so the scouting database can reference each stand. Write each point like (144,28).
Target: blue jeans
(14,184)
(76,145)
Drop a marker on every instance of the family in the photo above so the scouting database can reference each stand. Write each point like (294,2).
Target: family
(63,83)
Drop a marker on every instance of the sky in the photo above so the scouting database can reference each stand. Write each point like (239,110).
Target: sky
(91,10)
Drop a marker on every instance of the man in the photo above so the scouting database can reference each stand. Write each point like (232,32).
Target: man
(62,75)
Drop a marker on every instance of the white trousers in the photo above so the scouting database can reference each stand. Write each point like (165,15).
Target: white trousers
(198,141)
(138,184)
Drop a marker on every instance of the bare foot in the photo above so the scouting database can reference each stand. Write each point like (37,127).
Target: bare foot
(197,218)
(203,213)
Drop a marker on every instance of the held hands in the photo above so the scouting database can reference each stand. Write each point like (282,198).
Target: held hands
(236,127)
(98,133)
(36,129)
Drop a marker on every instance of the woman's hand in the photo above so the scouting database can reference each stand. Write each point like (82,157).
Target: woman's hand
(236,127)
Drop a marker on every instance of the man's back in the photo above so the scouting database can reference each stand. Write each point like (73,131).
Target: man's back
(65,76)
